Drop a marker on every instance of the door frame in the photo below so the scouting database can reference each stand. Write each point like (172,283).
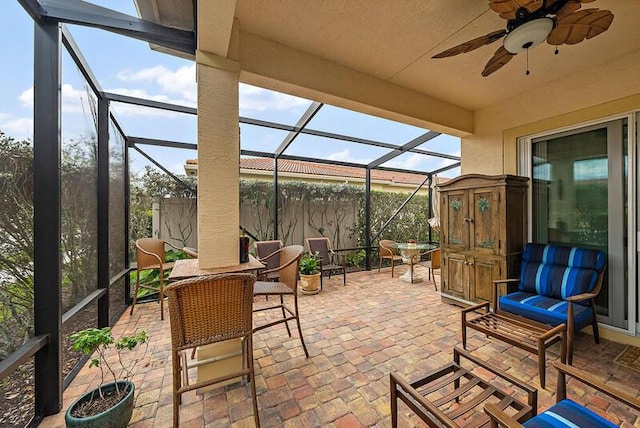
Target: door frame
(525,168)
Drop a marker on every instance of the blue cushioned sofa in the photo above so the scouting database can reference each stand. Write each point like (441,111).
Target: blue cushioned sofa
(557,284)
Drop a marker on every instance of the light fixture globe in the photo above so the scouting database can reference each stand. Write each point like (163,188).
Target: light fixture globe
(528,35)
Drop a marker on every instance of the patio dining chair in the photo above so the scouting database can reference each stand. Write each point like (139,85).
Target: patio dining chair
(287,286)
(208,310)
(435,257)
(150,255)
(387,252)
(267,254)
(328,258)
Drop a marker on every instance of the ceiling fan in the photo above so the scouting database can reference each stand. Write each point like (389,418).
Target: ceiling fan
(531,22)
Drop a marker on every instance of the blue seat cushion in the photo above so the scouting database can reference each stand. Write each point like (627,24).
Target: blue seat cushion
(567,413)
(546,310)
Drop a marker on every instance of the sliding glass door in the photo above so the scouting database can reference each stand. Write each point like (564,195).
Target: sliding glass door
(579,197)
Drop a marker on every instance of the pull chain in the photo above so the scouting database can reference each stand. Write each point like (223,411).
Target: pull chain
(556,52)
(527,73)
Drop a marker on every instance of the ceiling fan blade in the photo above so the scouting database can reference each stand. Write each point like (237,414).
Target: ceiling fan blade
(497,61)
(570,7)
(580,25)
(508,8)
(472,44)
(551,3)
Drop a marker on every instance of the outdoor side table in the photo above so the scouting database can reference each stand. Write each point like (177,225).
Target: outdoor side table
(522,333)
(453,396)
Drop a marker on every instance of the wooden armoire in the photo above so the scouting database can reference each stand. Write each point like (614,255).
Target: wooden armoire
(483,230)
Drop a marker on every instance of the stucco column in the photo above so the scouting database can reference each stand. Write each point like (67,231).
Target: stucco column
(218,165)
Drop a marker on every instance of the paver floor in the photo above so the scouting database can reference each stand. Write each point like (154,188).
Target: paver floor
(355,335)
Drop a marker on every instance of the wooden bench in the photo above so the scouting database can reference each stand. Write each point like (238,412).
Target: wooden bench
(453,393)
(524,334)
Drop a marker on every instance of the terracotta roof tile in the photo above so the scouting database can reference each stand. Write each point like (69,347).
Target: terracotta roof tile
(310,168)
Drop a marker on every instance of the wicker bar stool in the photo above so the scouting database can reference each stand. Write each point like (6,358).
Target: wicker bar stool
(206,310)
(286,286)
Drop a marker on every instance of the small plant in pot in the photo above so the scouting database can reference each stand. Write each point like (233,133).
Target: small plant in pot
(310,273)
(111,403)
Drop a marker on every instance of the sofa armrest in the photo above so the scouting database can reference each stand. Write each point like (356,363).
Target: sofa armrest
(583,296)
(494,291)
(593,382)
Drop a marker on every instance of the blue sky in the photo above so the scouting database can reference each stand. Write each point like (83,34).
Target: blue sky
(130,67)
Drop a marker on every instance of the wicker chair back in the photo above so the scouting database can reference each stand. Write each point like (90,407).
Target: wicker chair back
(289,274)
(266,248)
(210,309)
(386,249)
(150,245)
(322,246)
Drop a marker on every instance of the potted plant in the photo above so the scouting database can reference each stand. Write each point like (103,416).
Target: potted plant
(111,403)
(310,273)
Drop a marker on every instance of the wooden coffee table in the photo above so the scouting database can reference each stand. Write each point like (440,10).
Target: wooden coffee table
(455,393)
(525,334)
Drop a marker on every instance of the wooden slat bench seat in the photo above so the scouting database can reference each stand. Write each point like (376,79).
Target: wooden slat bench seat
(453,396)
(524,334)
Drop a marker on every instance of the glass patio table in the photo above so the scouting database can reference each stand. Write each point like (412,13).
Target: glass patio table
(411,255)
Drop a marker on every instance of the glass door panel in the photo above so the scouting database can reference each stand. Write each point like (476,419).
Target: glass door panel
(579,199)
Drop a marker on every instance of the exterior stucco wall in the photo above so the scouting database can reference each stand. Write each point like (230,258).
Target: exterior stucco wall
(593,94)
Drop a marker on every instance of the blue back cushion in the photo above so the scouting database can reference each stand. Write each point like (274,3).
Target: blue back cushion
(558,271)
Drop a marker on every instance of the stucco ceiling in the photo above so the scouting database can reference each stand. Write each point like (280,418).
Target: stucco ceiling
(395,40)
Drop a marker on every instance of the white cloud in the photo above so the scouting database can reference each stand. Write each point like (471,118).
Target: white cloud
(345,156)
(181,81)
(26,98)
(447,162)
(16,127)
(412,163)
(73,100)
(134,110)
(253,98)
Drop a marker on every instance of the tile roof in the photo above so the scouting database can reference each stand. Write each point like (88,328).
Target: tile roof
(318,169)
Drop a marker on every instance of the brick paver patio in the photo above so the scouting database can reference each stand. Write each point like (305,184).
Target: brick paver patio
(355,335)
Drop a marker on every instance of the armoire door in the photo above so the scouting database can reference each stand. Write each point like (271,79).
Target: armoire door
(455,208)
(484,220)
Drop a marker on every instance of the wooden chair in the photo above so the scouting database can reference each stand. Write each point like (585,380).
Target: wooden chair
(433,263)
(327,258)
(566,412)
(449,396)
(150,254)
(286,286)
(387,252)
(267,253)
(206,310)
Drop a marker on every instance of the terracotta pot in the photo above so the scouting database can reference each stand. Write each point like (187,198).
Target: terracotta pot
(310,284)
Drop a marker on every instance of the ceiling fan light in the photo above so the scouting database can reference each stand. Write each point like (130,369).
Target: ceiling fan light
(528,35)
